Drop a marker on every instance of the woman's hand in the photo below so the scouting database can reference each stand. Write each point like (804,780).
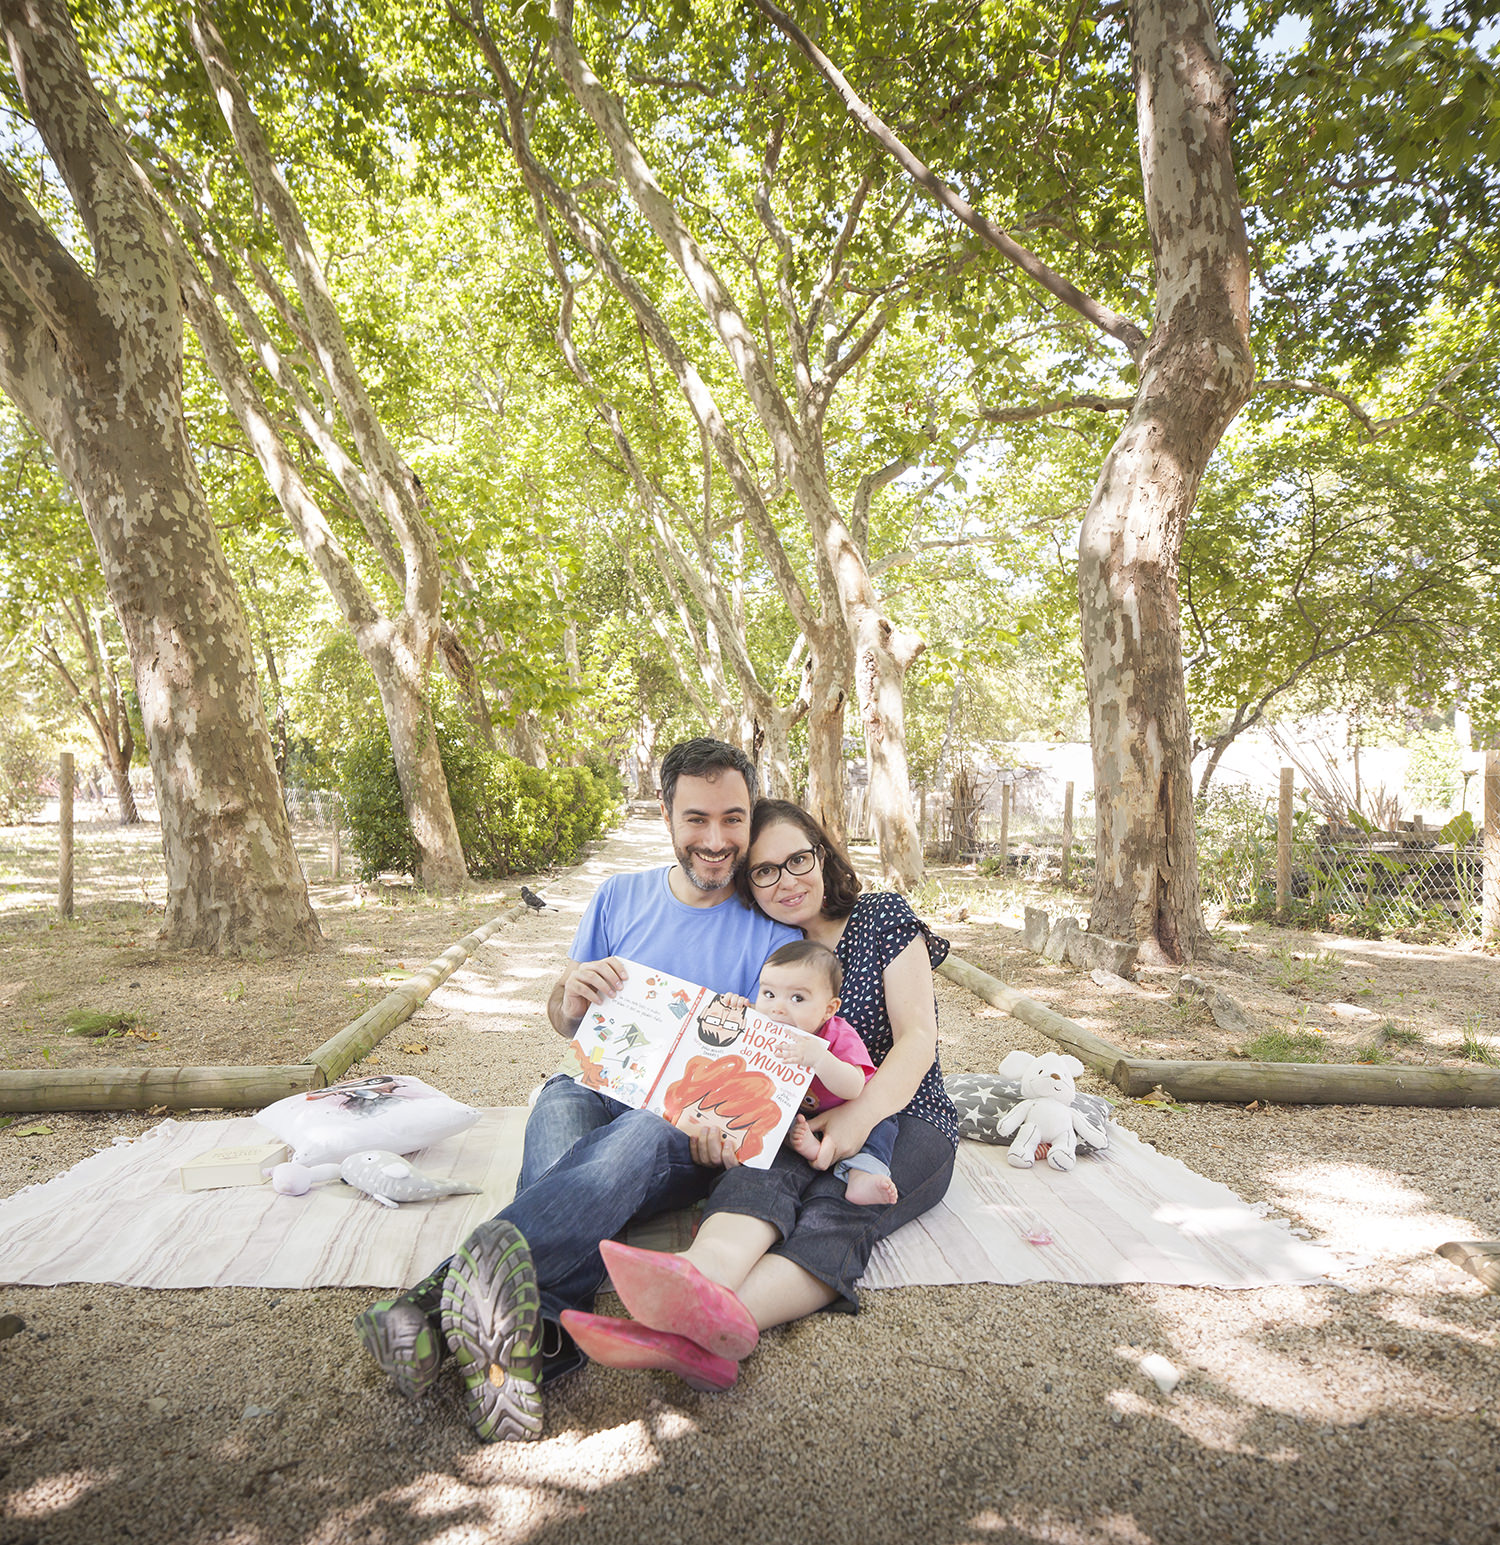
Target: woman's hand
(842,1132)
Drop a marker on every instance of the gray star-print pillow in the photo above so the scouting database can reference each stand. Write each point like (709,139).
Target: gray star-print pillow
(982,1100)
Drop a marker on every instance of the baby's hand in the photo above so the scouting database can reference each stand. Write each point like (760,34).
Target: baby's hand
(801,1048)
(734,1001)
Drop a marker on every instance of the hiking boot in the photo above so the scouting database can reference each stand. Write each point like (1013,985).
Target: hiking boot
(492,1319)
(403,1335)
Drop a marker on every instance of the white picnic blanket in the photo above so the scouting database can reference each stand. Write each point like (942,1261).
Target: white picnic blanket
(1128,1215)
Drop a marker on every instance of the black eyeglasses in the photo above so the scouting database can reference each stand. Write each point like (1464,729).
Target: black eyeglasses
(762,876)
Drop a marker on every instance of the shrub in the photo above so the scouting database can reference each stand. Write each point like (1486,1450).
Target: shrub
(24,768)
(380,834)
(1237,850)
(512,818)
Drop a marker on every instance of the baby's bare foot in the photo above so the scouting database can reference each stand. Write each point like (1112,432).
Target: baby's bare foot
(801,1139)
(867,1190)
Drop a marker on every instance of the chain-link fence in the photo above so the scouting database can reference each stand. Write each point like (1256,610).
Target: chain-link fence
(1415,882)
(317,807)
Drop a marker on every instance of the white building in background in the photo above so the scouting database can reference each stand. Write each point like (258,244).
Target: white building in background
(1042,769)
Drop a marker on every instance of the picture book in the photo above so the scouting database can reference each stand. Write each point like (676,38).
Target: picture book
(681,1050)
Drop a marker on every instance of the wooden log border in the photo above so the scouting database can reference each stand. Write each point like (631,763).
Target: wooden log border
(31,1091)
(1236,1083)
(53,1089)
(340,1052)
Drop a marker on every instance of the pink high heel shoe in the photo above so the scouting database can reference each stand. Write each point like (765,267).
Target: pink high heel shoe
(668,1293)
(627,1344)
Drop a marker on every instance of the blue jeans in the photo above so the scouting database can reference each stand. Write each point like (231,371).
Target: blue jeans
(590,1165)
(875,1156)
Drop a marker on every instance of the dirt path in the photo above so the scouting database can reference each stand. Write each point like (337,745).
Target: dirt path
(1364,1411)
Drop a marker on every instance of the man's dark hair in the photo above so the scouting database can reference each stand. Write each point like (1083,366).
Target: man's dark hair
(703,758)
(808,952)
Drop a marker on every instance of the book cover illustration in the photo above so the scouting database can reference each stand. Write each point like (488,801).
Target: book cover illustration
(670,1046)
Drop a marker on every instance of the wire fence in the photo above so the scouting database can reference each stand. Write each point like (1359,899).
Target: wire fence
(1413,881)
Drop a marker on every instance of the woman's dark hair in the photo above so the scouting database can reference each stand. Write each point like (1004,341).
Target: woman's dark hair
(840,883)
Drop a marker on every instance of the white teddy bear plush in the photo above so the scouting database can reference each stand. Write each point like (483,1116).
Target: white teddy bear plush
(1046,1114)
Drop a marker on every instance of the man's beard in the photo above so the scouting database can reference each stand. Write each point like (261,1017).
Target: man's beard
(685,863)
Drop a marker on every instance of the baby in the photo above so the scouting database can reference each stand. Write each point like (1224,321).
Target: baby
(799,987)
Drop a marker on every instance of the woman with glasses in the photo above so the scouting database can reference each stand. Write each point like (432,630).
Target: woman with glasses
(776,1244)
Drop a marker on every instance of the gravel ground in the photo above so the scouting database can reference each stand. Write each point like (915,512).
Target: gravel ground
(1365,1410)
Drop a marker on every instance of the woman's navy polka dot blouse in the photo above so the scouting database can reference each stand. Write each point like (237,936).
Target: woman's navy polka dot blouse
(879,928)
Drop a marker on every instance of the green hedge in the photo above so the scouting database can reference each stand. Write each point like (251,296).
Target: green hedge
(512,818)
(25,765)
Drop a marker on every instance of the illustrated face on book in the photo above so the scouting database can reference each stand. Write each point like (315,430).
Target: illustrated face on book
(725,1094)
(695,1117)
(797,995)
(720,1023)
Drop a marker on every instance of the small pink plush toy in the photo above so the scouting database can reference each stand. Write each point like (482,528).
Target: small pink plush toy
(1046,1115)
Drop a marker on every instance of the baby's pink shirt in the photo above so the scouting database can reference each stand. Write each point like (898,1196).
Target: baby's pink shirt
(845,1043)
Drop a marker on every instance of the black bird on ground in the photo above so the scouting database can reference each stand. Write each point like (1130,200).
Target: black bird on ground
(533,901)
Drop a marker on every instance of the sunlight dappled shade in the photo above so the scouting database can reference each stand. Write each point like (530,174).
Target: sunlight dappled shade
(1053,1529)
(67,1489)
(1356,1207)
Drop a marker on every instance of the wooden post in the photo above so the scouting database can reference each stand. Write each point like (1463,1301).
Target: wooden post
(1284,843)
(1005,828)
(1067,840)
(65,835)
(336,846)
(1489,921)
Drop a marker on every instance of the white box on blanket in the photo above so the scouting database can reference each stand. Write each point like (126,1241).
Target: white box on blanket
(242,1166)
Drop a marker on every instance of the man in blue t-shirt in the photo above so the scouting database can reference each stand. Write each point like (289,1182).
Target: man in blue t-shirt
(590,1164)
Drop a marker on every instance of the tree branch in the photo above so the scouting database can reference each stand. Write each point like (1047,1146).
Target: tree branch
(1371,427)
(547,193)
(1107,321)
(1092,401)
(391,477)
(42,270)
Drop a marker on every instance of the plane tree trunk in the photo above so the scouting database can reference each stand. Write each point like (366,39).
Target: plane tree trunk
(1196,373)
(95,362)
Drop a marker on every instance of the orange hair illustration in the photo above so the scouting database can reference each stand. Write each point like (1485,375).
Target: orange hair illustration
(743,1097)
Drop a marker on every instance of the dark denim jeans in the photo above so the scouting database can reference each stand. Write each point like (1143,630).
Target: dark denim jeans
(589,1166)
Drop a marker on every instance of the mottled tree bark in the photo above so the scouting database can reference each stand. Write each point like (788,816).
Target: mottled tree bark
(1196,374)
(95,362)
(399,649)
